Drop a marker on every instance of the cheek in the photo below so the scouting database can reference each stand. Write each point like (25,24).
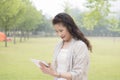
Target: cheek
(67,32)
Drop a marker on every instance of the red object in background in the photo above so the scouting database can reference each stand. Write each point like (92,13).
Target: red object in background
(2,36)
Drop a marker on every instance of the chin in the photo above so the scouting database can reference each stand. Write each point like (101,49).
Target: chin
(65,40)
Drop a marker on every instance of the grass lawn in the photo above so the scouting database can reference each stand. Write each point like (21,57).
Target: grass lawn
(15,61)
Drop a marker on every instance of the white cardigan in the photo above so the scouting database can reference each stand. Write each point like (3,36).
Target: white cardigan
(77,59)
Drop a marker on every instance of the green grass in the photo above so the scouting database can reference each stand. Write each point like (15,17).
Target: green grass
(105,61)
(15,61)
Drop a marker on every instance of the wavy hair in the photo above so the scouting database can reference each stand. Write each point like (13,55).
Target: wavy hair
(73,29)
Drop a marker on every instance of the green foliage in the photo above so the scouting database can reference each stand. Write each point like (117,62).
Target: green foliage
(19,13)
(30,18)
(114,24)
(8,9)
(99,9)
(91,19)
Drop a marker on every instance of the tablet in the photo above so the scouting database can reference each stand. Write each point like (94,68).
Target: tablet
(36,62)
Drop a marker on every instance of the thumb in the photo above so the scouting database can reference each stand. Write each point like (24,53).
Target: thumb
(49,64)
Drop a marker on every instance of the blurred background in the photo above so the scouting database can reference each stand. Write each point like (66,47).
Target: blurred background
(26,32)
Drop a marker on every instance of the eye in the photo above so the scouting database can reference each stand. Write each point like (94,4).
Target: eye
(61,30)
(56,31)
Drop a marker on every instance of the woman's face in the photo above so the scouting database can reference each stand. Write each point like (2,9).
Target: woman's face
(62,32)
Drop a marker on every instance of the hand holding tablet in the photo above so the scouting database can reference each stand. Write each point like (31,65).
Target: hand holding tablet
(37,62)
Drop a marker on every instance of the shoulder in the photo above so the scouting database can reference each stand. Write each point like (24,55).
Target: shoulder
(58,44)
(80,47)
(80,43)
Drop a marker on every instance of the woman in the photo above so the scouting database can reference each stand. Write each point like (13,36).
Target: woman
(71,56)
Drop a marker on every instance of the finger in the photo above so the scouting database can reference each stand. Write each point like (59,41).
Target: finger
(41,64)
(44,70)
(50,66)
(49,63)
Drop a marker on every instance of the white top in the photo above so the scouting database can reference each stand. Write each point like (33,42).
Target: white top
(61,62)
(77,59)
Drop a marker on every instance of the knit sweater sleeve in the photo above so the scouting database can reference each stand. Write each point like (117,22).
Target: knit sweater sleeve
(80,61)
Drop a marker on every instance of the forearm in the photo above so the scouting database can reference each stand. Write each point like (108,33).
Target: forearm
(66,75)
(50,71)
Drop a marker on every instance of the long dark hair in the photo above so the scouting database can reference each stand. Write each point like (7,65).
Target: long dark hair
(69,23)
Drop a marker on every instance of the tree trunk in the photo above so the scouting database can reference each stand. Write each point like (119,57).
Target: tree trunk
(24,35)
(6,36)
(28,35)
(14,33)
(21,36)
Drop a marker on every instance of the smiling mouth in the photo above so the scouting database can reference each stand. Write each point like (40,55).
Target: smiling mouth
(62,37)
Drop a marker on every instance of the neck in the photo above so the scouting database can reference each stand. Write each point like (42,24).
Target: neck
(67,41)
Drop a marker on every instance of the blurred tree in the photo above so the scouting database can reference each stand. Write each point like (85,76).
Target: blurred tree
(30,20)
(77,16)
(44,29)
(114,24)
(67,7)
(8,9)
(19,15)
(17,19)
(99,9)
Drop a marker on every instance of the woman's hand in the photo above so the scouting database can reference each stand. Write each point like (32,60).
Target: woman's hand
(48,69)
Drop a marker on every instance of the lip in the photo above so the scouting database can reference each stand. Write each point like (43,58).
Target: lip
(63,37)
